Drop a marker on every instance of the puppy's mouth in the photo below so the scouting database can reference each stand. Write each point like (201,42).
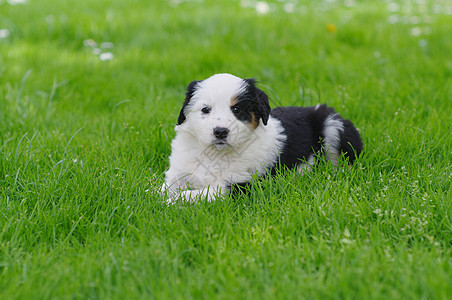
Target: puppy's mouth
(220,144)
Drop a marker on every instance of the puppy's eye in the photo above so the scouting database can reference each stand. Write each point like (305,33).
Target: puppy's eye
(206,110)
(235,109)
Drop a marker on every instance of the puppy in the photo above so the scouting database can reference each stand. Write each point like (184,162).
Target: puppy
(226,132)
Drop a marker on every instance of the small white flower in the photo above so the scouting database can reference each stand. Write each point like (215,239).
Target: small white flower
(415,20)
(246,3)
(106,45)
(50,19)
(106,56)
(393,7)
(416,31)
(350,3)
(289,7)
(448,10)
(437,9)
(422,43)
(17,2)
(262,7)
(4,33)
(89,43)
(392,19)
(97,51)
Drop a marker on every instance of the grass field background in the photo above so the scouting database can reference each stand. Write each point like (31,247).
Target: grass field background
(85,137)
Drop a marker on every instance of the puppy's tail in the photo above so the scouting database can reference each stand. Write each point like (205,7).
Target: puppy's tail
(340,136)
(351,143)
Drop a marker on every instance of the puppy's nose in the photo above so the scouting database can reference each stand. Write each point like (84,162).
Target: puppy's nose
(220,132)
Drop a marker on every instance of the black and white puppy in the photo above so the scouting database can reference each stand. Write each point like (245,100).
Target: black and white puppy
(226,132)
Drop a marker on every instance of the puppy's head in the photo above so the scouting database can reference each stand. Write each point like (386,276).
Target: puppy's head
(223,110)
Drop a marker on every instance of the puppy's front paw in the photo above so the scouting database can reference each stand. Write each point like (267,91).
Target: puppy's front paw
(164,189)
(170,200)
(167,195)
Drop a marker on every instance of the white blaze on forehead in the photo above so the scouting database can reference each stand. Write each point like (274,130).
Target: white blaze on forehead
(219,88)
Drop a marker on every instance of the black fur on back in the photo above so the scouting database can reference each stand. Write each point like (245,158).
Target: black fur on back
(304,128)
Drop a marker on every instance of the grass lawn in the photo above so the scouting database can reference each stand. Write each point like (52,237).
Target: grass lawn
(89,95)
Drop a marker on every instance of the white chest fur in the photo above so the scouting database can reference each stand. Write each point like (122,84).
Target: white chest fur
(197,166)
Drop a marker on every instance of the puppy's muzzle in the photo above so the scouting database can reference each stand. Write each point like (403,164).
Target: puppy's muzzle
(221,132)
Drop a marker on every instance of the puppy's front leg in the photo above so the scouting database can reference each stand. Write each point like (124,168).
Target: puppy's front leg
(192,196)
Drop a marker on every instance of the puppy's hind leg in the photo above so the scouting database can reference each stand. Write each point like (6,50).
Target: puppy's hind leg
(307,165)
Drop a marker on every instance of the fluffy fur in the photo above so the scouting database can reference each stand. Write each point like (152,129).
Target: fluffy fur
(226,132)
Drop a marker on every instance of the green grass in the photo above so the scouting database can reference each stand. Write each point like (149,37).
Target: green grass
(84,144)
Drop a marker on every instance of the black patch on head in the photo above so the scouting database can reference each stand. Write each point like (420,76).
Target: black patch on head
(188,95)
(252,101)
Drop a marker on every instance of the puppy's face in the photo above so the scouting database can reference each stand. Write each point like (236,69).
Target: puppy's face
(223,110)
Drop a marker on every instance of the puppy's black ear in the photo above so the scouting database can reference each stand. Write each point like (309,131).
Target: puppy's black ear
(188,95)
(262,106)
